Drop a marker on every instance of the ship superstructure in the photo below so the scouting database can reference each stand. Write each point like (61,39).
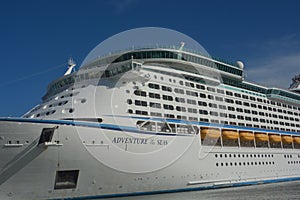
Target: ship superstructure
(150,120)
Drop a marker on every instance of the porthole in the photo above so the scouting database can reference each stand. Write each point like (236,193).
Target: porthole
(71,110)
(129,101)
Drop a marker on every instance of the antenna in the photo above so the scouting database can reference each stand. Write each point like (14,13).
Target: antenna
(180,50)
(181,45)
(71,65)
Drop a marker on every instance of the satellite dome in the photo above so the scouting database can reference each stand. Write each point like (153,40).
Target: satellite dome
(240,64)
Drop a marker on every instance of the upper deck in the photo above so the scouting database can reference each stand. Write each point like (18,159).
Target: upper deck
(153,55)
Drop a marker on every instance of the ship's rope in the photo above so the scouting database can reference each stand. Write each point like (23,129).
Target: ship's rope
(32,75)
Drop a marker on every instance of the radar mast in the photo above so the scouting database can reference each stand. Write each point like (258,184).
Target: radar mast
(71,65)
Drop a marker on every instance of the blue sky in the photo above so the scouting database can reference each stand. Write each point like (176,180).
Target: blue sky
(37,37)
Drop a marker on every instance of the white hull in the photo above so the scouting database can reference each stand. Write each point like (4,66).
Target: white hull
(29,171)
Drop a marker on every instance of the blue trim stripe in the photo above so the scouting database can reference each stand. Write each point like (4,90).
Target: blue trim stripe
(90,125)
(136,130)
(184,189)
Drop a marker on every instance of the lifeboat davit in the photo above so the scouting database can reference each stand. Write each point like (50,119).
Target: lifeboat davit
(262,137)
(275,138)
(230,134)
(246,135)
(210,132)
(287,139)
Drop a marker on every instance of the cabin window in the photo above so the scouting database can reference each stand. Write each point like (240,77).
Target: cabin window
(229,93)
(203,112)
(153,86)
(165,88)
(154,95)
(181,109)
(155,114)
(192,110)
(202,103)
(220,91)
(155,105)
(190,101)
(168,107)
(179,91)
(168,98)
(179,99)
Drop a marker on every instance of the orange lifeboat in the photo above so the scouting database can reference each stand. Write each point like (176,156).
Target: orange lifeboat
(230,134)
(210,132)
(246,135)
(296,139)
(287,139)
(262,137)
(275,138)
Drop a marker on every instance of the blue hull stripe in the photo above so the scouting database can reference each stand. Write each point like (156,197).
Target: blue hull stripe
(134,129)
(184,189)
(90,125)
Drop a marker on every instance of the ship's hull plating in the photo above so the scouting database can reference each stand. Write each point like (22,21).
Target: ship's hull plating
(116,161)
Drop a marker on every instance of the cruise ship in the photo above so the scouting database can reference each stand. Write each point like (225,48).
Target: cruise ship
(149,120)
